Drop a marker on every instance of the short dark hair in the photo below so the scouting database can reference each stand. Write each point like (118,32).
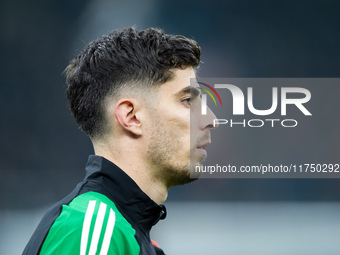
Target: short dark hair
(146,57)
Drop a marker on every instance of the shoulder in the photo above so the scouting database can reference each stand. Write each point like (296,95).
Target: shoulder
(91,223)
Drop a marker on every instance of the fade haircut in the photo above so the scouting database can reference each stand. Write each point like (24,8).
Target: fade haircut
(143,58)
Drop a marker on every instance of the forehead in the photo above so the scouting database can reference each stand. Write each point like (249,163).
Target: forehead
(181,80)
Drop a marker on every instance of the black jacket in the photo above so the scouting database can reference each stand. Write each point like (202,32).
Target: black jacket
(103,177)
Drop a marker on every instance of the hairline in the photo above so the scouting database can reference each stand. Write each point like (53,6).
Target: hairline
(137,89)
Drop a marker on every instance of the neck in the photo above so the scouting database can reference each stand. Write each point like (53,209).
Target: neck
(135,168)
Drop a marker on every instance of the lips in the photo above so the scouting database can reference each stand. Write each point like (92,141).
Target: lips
(201,148)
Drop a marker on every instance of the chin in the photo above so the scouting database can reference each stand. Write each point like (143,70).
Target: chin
(183,175)
(195,170)
(185,180)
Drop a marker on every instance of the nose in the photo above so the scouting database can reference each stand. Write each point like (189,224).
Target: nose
(208,120)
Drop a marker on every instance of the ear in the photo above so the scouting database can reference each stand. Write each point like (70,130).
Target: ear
(126,112)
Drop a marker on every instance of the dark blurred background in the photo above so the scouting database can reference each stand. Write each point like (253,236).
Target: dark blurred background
(43,153)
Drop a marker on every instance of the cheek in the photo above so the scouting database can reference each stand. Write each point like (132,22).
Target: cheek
(194,130)
(176,120)
(195,115)
(179,131)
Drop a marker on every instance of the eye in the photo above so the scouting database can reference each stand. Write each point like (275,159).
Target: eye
(187,101)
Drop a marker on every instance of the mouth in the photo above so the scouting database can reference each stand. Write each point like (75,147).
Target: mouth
(201,148)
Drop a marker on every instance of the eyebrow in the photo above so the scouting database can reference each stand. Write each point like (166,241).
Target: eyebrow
(190,90)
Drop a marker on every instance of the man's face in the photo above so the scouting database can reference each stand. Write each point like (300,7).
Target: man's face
(179,133)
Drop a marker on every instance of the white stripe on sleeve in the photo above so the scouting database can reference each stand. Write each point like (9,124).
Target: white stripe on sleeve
(86,226)
(108,233)
(97,229)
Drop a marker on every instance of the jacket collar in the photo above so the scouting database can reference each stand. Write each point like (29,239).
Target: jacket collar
(132,202)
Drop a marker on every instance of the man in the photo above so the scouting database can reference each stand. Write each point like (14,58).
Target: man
(130,93)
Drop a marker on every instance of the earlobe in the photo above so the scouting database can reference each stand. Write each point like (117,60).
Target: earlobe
(126,114)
